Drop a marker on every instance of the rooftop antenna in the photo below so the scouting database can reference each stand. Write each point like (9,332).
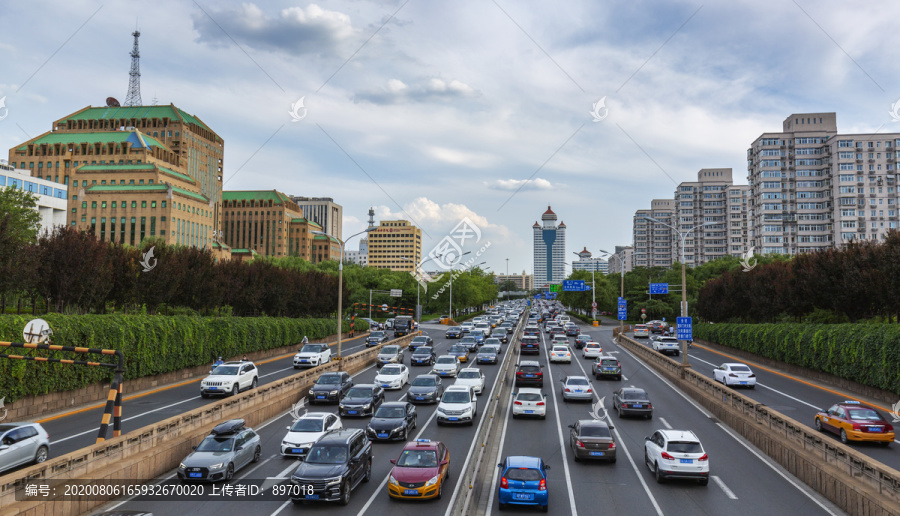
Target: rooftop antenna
(155,100)
(133,98)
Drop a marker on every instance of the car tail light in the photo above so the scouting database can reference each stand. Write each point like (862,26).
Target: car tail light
(543,485)
(624,405)
(503,483)
(612,445)
(517,403)
(888,428)
(752,375)
(590,390)
(567,389)
(704,457)
(540,404)
(579,443)
(856,426)
(732,375)
(666,456)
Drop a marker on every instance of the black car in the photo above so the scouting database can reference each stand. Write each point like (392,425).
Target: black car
(488,354)
(393,421)
(572,331)
(453,332)
(530,345)
(529,373)
(361,400)
(376,337)
(470,343)
(425,388)
(581,340)
(421,340)
(423,356)
(500,333)
(334,466)
(330,387)
(632,400)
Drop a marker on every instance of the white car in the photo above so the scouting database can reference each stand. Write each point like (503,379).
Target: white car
(666,345)
(230,378)
(529,401)
(676,454)
(591,350)
(446,365)
(560,353)
(471,377)
(458,405)
(392,376)
(306,431)
(735,374)
(467,326)
(311,355)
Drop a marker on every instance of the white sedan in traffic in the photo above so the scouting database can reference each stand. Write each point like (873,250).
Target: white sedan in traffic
(471,377)
(529,402)
(560,354)
(735,374)
(591,350)
(392,376)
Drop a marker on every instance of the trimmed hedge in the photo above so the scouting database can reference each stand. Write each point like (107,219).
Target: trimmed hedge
(152,344)
(865,353)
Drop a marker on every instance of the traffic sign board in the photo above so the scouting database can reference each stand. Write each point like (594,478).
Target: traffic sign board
(396,292)
(685,329)
(594,304)
(384,308)
(573,285)
(554,288)
(659,288)
(623,308)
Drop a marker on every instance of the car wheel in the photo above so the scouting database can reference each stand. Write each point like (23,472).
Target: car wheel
(298,367)
(752,386)
(647,459)
(885,444)
(229,473)
(255,382)
(235,390)
(345,493)
(515,416)
(844,436)
(41,455)
(502,506)
(545,508)
(257,454)
(416,422)
(619,378)
(819,425)
(368,475)
(612,460)
(649,416)
(204,395)
(543,416)
(703,481)
(440,491)
(659,478)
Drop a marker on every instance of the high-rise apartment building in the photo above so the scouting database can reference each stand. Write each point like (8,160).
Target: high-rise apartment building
(625,259)
(324,212)
(586,263)
(653,242)
(549,250)
(703,201)
(395,245)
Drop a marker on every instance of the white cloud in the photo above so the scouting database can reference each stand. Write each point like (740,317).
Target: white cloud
(514,184)
(433,89)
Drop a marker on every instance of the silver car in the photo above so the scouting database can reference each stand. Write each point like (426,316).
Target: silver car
(226,450)
(577,388)
(23,443)
(392,354)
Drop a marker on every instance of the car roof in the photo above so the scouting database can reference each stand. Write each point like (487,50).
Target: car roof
(9,426)
(573,377)
(633,389)
(395,404)
(422,444)
(529,362)
(739,363)
(529,390)
(341,436)
(477,370)
(606,356)
(853,404)
(420,348)
(422,337)
(237,362)
(428,375)
(465,388)
(315,415)
(365,385)
(679,435)
(522,461)
(593,422)
(447,356)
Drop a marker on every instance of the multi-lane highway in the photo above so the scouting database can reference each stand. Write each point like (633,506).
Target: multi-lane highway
(743,481)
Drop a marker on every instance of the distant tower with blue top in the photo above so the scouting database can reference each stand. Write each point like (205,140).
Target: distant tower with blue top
(549,250)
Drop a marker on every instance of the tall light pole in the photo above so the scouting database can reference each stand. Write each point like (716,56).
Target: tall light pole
(507,277)
(622,291)
(418,315)
(451,284)
(340,312)
(593,287)
(684,360)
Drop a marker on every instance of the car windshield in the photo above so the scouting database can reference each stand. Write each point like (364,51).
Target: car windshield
(529,396)
(420,339)
(595,431)
(592,345)
(390,350)
(312,348)
(468,340)
(523,474)
(469,374)
(424,381)
(740,368)
(216,444)
(418,459)
(584,337)
(492,341)
(609,362)
(578,381)
(529,368)
(376,334)
(684,447)
(864,413)
(327,454)
(561,349)
(328,379)
(391,370)
(458,349)
(455,397)
(308,425)
(389,412)
(360,392)
(224,370)
(424,350)
(635,395)
(446,360)
(489,349)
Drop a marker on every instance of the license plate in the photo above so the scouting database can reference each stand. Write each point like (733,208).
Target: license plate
(597,453)
(454,419)
(577,390)
(297,450)
(304,361)
(419,398)
(410,492)
(529,376)
(874,428)
(382,436)
(195,475)
(385,385)
(320,397)
(687,461)
(637,406)
(523,496)
(351,412)
(529,412)
(609,369)
(743,383)
(312,497)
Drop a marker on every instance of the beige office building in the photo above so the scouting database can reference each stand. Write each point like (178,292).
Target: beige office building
(522,281)
(625,260)
(395,245)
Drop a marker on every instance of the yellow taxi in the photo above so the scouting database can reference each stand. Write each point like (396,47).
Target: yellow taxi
(445,319)
(420,471)
(853,421)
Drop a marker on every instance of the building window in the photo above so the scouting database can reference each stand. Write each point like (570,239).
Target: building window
(153,205)
(164,205)
(84,205)
(144,205)
(94,205)
(103,205)
(134,205)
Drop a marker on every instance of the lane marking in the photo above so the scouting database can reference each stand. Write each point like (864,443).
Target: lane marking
(562,447)
(496,469)
(127,419)
(728,492)
(665,423)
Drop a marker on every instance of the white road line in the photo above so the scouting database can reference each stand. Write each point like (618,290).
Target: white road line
(737,438)
(497,470)
(127,419)
(665,423)
(728,492)
(285,504)
(562,446)
(261,463)
(798,400)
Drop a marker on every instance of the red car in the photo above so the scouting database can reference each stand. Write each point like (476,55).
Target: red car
(420,471)
(853,421)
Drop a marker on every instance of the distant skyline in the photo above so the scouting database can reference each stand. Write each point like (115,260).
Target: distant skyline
(433,112)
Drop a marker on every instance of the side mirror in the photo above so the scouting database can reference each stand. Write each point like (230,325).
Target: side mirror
(546,467)
(445,462)
(239,448)
(192,447)
(571,426)
(499,465)
(647,438)
(287,428)
(393,461)
(611,427)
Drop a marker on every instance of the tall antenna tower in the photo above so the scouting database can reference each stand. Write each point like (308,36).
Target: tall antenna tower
(134,81)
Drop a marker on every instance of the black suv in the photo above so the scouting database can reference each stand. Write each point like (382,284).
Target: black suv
(330,387)
(334,466)
(529,373)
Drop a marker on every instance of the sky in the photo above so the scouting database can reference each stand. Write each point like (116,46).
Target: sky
(490,110)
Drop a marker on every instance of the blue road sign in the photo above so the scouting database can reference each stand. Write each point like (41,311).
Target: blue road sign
(573,285)
(685,329)
(587,288)
(537,296)
(659,288)
(623,309)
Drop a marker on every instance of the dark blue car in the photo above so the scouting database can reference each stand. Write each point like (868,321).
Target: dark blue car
(523,481)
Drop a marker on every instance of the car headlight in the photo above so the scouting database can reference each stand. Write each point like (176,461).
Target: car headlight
(333,481)
(440,410)
(311,392)
(217,466)
(182,466)
(433,481)
(333,392)
(367,405)
(393,481)
(285,443)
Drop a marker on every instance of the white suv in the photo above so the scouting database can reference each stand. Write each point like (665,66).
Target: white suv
(230,378)
(667,345)
(676,454)
(312,355)
(458,405)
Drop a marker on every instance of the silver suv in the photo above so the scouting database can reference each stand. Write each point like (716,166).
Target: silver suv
(23,443)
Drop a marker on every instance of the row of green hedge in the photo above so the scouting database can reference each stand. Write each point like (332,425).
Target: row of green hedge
(152,345)
(865,353)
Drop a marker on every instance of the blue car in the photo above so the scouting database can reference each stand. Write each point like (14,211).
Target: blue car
(523,481)
(479,337)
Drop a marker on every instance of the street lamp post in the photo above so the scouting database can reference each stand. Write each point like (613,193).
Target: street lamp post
(340,312)
(451,284)
(418,315)
(593,289)
(684,360)
(622,291)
